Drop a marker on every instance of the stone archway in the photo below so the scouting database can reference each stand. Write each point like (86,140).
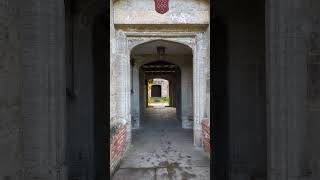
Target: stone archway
(174,79)
(164,130)
(196,42)
(129,29)
(143,70)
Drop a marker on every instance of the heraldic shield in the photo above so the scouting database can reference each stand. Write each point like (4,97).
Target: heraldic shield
(162,6)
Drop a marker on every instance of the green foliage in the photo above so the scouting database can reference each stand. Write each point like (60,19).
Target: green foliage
(150,82)
(158,100)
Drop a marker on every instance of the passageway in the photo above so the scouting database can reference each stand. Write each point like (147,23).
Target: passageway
(160,117)
(163,150)
(162,135)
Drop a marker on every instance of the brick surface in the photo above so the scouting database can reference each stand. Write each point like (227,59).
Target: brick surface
(206,136)
(118,145)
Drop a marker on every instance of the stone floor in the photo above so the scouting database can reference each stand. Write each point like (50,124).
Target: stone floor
(162,150)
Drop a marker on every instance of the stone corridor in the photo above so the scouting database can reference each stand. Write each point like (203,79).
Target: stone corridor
(162,150)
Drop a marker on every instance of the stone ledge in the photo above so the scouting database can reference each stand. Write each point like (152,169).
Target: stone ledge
(152,17)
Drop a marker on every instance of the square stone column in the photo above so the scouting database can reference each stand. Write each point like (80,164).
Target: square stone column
(199,85)
(43,89)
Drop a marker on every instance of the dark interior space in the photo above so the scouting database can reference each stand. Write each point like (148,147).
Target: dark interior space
(165,70)
(87,68)
(101,69)
(156,91)
(239,90)
(220,99)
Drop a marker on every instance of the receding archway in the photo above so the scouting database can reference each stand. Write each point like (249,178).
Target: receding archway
(162,130)
(167,72)
(175,64)
(193,78)
(158,92)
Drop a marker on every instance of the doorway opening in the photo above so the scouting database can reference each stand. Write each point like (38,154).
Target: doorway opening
(172,62)
(162,107)
(158,93)
(164,136)
(87,72)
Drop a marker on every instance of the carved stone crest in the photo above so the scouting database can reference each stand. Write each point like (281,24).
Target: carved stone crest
(162,6)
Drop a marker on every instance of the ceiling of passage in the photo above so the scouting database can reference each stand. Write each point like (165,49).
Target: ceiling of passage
(159,67)
(171,48)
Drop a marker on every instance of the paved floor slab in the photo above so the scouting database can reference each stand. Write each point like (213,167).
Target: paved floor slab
(135,174)
(183,173)
(165,148)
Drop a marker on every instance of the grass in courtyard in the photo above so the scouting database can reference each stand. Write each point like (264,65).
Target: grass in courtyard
(158,101)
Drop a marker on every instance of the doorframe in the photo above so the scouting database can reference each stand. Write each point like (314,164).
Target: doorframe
(196,41)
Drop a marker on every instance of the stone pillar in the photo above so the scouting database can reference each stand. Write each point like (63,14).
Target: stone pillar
(276,95)
(10,91)
(172,92)
(113,69)
(135,97)
(200,57)
(208,78)
(285,64)
(43,85)
(123,82)
(177,94)
(141,95)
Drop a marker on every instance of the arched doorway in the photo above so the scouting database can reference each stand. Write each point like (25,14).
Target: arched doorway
(162,136)
(162,71)
(158,92)
(175,65)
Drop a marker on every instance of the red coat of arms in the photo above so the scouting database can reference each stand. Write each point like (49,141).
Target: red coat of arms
(162,6)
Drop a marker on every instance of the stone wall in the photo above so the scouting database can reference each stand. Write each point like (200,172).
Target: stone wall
(43,88)
(143,12)
(113,69)
(116,146)
(311,144)
(241,88)
(293,111)
(119,93)
(10,91)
